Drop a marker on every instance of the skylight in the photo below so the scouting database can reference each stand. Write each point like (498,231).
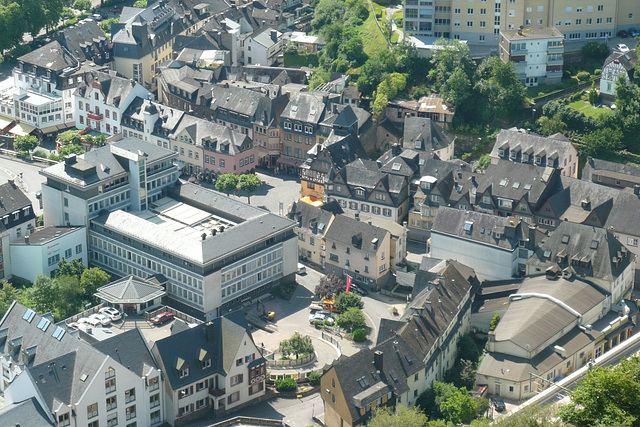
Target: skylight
(396,166)
(467,226)
(58,333)
(565,238)
(393,377)
(29,315)
(527,186)
(594,244)
(503,182)
(406,356)
(547,254)
(516,184)
(44,324)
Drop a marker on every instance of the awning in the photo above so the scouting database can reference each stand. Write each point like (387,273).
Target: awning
(4,123)
(21,129)
(313,201)
(289,162)
(50,129)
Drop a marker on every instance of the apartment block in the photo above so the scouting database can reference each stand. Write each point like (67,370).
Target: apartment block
(537,54)
(480,22)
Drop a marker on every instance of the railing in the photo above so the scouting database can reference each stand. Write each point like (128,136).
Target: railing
(85,313)
(94,116)
(217,392)
(291,363)
(332,340)
(178,314)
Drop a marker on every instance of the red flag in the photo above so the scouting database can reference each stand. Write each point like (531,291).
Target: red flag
(349,279)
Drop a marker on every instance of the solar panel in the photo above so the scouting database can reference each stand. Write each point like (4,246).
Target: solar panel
(29,315)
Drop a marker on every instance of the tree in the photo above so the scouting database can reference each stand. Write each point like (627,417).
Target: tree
(606,396)
(595,50)
(92,279)
(105,25)
(69,296)
(329,287)
(82,4)
(74,268)
(297,344)
(42,295)
(467,349)
(249,183)
(498,82)
(70,149)
(346,300)
(449,56)
(286,384)
(457,88)
(494,322)
(25,143)
(352,318)
(227,183)
(8,294)
(484,161)
(12,25)
(318,77)
(603,141)
(141,4)
(401,417)
(530,416)
(459,407)
(548,126)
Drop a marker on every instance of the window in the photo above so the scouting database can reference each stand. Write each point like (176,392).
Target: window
(110,380)
(112,403)
(130,412)
(334,257)
(79,248)
(155,417)
(63,420)
(632,241)
(600,8)
(92,410)
(239,362)
(236,379)
(112,420)
(130,395)
(233,398)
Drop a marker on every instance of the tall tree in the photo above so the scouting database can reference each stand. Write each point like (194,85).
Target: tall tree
(227,183)
(346,300)
(25,143)
(249,183)
(75,268)
(457,88)
(330,286)
(42,295)
(12,25)
(449,56)
(92,279)
(69,295)
(459,407)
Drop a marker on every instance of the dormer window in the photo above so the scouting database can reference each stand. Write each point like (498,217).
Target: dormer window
(501,152)
(538,160)
(206,363)
(514,154)
(550,163)
(525,158)
(359,192)
(184,372)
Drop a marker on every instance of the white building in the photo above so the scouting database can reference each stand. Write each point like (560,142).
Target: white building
(76,383)
(497,248)
(617,64)
(213,367)
(101,102)
(40,252)
(262,47)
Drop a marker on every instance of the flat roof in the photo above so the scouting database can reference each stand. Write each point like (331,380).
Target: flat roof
(45,235)
(530,33)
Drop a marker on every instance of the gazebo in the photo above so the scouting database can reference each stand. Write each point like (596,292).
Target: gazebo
(132,294)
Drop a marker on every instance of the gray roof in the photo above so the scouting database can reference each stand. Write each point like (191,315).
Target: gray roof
(359,234)
(423,134)
(305,107)
(27,412)
(313,219)
(130,290)
(492,230)
(532,33)
(12,198)
(86,41)
(220,339)
(51,56)
(523,142)
(588,251)
(627,59)
(263,36)
(624,214)
(532,320)
(610,169)
(116,89)
(45,235)
(130,349)
(79,357)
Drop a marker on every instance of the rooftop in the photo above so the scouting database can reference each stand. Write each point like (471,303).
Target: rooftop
(45,235)
(532,33)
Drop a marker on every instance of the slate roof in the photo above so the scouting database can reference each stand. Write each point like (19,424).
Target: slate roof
(20,413)
(610,169)
(130,349)
(263,37)
(514,181)
(86,41)
(260,73)
(588,251)
(627,59)
(78,357)
(313,219)
(130,290)
(520,141)
(532,320)
(359,234)
(220,338)
(576,200)
(482,228)
(46,235)
(335,152)
(51,56)
(423,134)
(116,89)
(12,199)
(624,214)
(304,107)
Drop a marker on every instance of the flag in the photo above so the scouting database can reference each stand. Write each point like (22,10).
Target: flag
(349,279)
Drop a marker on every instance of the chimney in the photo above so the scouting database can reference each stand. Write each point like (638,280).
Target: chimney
(149,96)
(374,243)
(204,236)
(396,150)
(636,189)
(586,204)
(532,236)
(12,182)
(209,331)
(70,159)
(357,216)
(377,360)
(26,239)
(274,36)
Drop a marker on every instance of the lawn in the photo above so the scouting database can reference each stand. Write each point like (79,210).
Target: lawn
(587,109)
(544,89)
(372,38)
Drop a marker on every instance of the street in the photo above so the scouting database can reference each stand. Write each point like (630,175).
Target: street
(31,181)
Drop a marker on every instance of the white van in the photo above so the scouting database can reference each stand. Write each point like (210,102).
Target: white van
(302,269)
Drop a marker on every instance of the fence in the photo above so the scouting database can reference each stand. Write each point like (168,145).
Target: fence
(291,363)
(85,313)
(325,336)
(178,315)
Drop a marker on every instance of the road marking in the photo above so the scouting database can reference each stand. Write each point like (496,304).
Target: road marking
(20,182)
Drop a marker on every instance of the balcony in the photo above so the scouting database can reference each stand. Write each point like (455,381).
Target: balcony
(94,116)
(217,392)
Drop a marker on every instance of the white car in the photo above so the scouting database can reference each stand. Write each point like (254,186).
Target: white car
(321,317)
(89,321)
(111,313)
(622,48)
(102,318)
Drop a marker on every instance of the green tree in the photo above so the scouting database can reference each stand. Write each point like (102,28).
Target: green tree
(25,143)
(67,136)
(92,279)
(286,384)
(249,183)
(352,318)
(548,126)
(346,300)
(595,50)
(75,268)
(603,141)
(401,417)
(12,25)
(8,294)
(42,295)
(52,12)
(70,149)
(34,15)
(318,77)
(298,344)
(457,88)
(449,56)
(105,25)
(606,396)
(498,82)
(459,407)
(531,416)
(141,4)
(494,322)
(82,4)
(69,295)
(227,183)
(484,161)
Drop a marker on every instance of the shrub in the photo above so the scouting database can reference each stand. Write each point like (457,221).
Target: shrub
(327,322)
(360,335)
(314,378)
(597,72)
(318,324)
(576,96)
(583,76)
(40,153)
(286,384)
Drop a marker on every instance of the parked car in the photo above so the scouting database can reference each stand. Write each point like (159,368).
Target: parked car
(111,313)
(622,34)
(102,318)
(302,270)
(622,48)
(358,290)
(321,316)
(161,318)
(633,32)
(498,404)
(90,321)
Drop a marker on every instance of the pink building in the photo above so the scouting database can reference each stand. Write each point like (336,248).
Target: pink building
(229,152)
